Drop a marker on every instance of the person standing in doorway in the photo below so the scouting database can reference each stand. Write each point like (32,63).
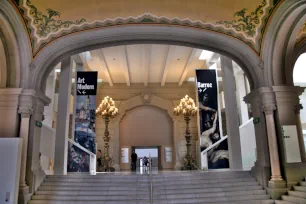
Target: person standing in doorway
(145,162)
(134,160)
(99,161)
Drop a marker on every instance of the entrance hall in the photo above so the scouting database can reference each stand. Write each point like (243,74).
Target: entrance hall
(145,83)
(219,94)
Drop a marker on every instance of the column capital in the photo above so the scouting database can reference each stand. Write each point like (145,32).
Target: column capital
(25,111)
(269,109)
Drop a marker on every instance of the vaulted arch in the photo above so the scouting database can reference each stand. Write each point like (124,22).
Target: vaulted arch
(93,39)
(280,51)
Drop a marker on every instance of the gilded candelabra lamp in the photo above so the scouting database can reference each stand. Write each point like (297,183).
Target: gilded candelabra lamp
(188,109)
(108,111)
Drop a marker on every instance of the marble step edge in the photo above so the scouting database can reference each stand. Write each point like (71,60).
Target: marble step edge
(115,193)
(293,199)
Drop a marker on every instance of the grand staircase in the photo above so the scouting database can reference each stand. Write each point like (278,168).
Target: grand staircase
(295,196)
(168,188)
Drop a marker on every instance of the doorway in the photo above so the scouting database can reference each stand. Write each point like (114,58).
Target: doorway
(152,154)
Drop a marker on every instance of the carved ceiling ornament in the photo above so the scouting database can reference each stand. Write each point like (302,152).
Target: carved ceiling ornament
(47,26)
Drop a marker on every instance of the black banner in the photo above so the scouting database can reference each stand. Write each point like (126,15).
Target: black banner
(85,122)
(86,83)
(211,140)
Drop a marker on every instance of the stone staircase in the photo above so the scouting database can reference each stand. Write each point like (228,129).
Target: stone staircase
(295,196)
(168,188)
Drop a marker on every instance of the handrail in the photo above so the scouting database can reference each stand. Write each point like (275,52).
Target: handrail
(81,147)
(247,122)
(215,144)
(151,182)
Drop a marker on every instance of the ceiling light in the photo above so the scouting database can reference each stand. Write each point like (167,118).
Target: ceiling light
(205,55)
(57,70)
(191,79)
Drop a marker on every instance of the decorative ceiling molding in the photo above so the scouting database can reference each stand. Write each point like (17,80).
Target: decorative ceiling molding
(47,26)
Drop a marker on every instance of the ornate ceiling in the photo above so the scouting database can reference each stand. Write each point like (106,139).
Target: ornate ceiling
(47,21)
(302,35)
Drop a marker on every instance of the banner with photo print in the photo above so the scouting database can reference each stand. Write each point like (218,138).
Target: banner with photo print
(85,122)
(211,141)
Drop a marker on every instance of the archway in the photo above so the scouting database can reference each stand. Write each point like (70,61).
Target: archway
(66,46)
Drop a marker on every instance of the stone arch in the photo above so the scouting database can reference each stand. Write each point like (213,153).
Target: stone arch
(279,52)
(131,34)
(138,101)
(16,46)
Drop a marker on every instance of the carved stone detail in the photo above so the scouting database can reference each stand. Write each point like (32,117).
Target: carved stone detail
(261,65)
(25,111)
(298,108)
(269,109)
(146,97)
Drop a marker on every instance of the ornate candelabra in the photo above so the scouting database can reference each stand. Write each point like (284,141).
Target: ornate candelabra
(188,109)
(108,111)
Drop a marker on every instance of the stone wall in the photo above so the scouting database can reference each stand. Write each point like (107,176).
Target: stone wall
(166,98)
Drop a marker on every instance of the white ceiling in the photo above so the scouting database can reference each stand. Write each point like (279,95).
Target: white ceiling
(144,63)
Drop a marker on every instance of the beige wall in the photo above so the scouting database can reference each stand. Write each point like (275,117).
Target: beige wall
(166,98)
(147,126)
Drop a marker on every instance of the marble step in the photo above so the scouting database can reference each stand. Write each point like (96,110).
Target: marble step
(283,202)
(96,178)
(165,186)
(155,190)
(170,195)
(294,199)
(300,188)
(141,202)
(297,194)
(207,175)
(212,199)
(182,182)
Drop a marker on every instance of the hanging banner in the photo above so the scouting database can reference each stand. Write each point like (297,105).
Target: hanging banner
(212,144)
(85,119)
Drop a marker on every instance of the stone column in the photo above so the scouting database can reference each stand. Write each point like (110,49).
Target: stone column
(276,185)
(300,132)
(232,122)
(25,113)
(272,139)
(62,123)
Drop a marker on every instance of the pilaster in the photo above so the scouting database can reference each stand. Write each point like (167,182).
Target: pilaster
(62,124)
(9,102)
(261,170)
(232,122)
